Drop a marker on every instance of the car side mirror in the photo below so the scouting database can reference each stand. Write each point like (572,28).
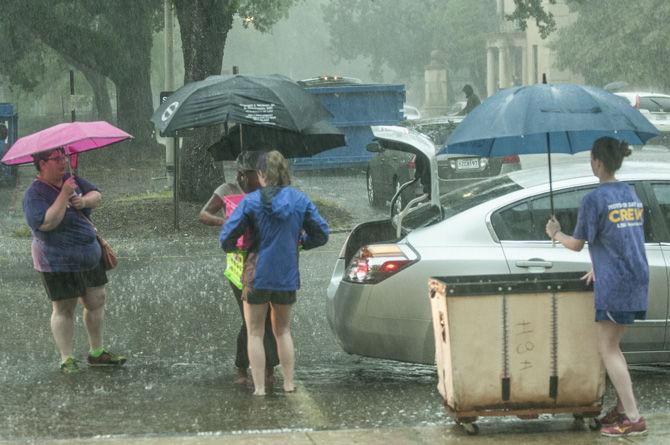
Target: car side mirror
(374,147)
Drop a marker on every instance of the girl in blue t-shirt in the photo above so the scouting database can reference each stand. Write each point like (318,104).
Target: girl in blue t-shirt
(611,220)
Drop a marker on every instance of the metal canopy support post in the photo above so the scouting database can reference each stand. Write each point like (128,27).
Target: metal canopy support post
(175,183)
(168,51)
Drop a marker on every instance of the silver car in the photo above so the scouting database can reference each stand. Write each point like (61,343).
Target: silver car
(378,302)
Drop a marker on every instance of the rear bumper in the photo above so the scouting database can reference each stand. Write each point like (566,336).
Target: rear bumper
(359,332)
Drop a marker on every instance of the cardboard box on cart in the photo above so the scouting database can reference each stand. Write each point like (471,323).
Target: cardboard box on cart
(516,345)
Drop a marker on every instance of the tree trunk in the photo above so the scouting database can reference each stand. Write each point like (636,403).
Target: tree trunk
(199,175)
(204,28)
(134,107)
(103,105)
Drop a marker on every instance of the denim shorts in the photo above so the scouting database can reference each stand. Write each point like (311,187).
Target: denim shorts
(620,317)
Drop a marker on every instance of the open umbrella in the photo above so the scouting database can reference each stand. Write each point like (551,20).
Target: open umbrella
(264,107)
(547,118)
(74,137)
(315,139)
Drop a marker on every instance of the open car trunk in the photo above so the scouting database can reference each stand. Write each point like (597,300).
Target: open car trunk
(371,232)
(386,230)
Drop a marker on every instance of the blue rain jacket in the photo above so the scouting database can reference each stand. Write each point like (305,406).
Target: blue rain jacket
(280,218)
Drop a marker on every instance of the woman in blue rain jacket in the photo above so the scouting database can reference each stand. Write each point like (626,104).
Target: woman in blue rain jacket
(281,218)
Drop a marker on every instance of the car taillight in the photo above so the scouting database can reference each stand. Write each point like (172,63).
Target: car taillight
(377,262)
(511,159)
(637,102)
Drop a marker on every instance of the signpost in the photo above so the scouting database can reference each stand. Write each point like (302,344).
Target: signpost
(174,152)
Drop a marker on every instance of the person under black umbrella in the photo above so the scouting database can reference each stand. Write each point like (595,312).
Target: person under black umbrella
(247,182)
(281,219)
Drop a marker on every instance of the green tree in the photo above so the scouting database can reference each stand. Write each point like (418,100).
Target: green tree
(401,34)
(113,39)
(110,39)
(618,40)
(204,26)
(35,70)
(525,10)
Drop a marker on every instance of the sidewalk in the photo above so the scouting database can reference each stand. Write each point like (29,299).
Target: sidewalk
(557,432)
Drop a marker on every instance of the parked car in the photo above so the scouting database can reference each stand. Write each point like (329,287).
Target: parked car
(377,300)
(389,169)
(654,106)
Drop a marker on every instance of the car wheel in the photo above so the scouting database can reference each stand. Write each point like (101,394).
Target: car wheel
(399,203)
(373,197)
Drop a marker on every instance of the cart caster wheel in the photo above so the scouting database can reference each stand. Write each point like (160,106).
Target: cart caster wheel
(592,422)
(471,429)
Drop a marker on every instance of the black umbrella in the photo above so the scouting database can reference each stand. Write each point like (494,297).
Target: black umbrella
(315,139)
(268,101)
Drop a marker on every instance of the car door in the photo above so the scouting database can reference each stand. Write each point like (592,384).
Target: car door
(520,229)
(399,146)
(660,195)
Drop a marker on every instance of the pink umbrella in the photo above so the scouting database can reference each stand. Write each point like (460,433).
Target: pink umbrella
(75,137)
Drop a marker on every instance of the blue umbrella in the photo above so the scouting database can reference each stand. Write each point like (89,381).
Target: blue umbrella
(547,118)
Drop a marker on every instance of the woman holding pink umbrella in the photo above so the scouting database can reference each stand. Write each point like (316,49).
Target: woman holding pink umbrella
(65,251)
(67,255)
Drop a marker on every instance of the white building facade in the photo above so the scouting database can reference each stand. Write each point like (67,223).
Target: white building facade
(516,57)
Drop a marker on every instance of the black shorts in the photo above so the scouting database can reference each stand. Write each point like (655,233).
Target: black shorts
(259,296)
(67,285)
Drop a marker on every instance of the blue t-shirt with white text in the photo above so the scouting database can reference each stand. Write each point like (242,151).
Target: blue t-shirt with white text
(71,246)
(611,220)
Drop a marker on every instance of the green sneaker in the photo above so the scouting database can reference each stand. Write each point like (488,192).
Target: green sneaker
(106,359)
(69,366)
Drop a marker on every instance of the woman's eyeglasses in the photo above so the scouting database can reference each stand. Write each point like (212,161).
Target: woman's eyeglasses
(57,158)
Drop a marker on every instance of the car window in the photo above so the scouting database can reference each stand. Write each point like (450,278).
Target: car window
(514,223)
(471,195)
(460,200)
(525,221)
(662,194)
(655,104)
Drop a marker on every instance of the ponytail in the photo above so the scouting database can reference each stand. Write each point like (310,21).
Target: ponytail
(610,152)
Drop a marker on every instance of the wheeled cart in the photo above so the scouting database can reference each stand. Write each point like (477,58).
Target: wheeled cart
(519,345)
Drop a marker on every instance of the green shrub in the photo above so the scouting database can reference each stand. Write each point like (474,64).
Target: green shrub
(22,232)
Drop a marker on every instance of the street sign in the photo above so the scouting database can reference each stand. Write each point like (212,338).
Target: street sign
(164,95)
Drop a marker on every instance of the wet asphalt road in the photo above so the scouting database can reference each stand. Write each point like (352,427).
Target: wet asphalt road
(172,313)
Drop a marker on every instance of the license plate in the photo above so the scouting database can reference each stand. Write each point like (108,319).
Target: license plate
(467,164)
